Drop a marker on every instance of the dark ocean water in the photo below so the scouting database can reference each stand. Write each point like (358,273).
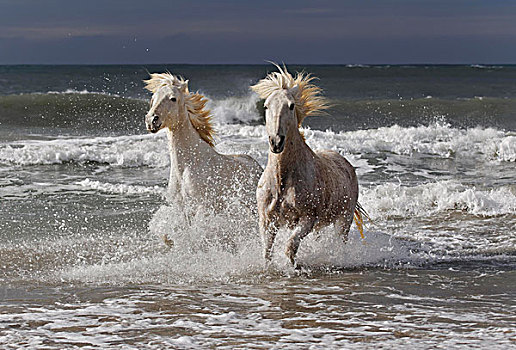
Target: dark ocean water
(82,210)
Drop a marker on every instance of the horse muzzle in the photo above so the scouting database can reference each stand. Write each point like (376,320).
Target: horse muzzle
(277,143)
(154,126)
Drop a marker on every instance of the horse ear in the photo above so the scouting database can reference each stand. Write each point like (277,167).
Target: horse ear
(184,87)
(294,90)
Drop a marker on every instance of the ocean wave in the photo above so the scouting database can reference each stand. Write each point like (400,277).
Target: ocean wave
(122,151)
(77,92)
(120,188)
(395,200)
(438,140)
(483,66)
(82,112)
(235,109)
(88,110)
(357,66)
(466,111)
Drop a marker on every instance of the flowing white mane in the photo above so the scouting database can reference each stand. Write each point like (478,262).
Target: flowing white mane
(194,102)
(308,99)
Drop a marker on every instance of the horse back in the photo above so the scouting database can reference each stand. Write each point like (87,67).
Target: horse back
(331,161)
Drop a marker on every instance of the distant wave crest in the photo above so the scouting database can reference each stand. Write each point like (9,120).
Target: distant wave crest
(151,150)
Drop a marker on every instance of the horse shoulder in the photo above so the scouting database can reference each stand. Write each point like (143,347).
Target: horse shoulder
(267,193)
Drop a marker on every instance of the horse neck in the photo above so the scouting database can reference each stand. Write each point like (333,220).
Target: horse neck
(295,155)
(185,145)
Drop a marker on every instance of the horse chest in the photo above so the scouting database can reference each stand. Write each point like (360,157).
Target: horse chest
(188,183)
(284,204)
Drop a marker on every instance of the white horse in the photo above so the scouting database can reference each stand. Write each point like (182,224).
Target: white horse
(199,175)
(299,188)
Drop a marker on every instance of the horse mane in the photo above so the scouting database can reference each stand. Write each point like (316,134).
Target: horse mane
(308,99)
(195,103)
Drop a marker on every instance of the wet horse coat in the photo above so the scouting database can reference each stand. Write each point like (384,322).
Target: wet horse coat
(199,175)
(300,189)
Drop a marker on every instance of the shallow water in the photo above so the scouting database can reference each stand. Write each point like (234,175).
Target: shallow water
(427,308)
(82,189)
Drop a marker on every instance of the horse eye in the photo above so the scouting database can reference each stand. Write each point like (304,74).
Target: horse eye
(173,99)
(291,107)
(264,107)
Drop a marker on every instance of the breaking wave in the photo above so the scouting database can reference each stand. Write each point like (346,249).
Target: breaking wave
(439,140)
(394,200)
(124,151)
(118,188)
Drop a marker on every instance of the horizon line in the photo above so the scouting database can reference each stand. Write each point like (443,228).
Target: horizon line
(351,65)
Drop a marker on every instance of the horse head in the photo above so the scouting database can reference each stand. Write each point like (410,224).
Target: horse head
(280,117)
(167,105)
(288,100)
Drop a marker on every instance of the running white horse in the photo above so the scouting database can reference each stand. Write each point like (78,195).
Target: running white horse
(199,175)
(300,189)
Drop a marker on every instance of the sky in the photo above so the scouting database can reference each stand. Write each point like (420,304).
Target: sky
(251,32)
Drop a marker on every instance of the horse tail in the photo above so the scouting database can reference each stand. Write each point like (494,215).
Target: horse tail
(358,216)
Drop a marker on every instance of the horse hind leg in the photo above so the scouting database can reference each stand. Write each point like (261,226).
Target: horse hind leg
(342,225)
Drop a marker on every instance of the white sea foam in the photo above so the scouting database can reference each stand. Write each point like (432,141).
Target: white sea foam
(124,151)
(436,139)
(212,249)
(482,66)
(235,109)
(119,188)
(227,247)
(152,150)
(75,92)
(395,200)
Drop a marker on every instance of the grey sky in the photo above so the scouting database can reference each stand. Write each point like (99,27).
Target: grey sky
(318,31)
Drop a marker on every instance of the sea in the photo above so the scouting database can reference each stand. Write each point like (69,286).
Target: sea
(83,209)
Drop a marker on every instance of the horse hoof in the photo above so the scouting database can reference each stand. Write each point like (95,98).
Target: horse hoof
(168,242)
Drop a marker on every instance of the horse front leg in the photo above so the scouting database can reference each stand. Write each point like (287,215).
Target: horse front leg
(268,232)
(301,231)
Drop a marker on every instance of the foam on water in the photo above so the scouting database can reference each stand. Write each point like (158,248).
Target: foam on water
(120,188)
(152,150)
(436,139)
(77,92)
(209,246)
(394,200)
(336,315)
(122,151)
(235,109)
(227,247)
(215,247)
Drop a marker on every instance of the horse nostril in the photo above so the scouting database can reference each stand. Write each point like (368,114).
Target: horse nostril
(155,119)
